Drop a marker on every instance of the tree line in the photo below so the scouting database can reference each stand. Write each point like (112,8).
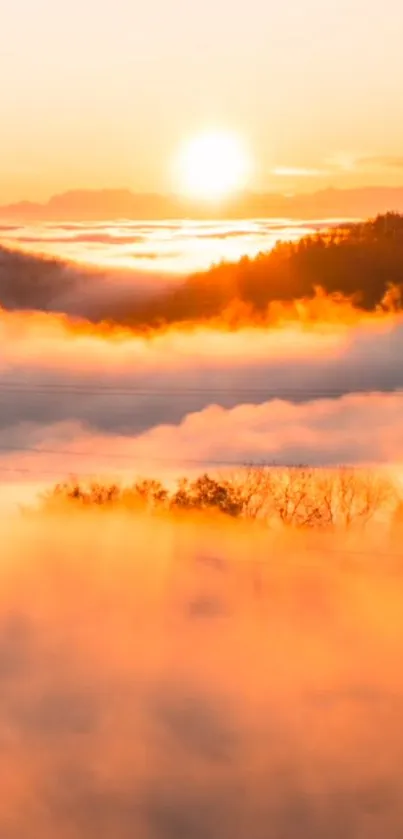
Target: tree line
(362,262)
(299,497)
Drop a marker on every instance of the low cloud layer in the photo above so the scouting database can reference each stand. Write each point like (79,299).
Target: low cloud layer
(53,372)
(81,403)
(354,430)
(161,683)
(85,400)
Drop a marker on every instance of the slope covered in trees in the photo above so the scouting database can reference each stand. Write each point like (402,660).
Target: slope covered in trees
(363,262)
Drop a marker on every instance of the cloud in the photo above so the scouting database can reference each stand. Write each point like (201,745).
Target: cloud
(347,162)
(355,430)
(381,162)
(82,238)
(298,172)
(227,234)
(79,398)
(121,383)
(327,432)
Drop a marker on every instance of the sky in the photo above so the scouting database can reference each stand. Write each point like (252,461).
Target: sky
(104,94)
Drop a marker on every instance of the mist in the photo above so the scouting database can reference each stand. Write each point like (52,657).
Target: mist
(44,283)
(160,682)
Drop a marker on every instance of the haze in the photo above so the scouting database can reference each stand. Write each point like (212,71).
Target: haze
(172,685)
(201,437)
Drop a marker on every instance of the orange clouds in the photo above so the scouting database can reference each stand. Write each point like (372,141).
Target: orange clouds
(84,400)
(356,429)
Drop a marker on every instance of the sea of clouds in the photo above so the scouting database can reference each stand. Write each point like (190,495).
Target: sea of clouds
(174,247)
(102,270)
(75,399)
(80,396)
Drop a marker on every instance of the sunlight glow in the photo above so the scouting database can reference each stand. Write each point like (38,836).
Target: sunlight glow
(213,165)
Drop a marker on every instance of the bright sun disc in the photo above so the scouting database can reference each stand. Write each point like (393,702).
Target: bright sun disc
(213,166)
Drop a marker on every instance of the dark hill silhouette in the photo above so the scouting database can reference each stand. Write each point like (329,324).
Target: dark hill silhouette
(112,204)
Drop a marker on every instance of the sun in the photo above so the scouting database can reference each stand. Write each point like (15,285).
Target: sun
(213,165)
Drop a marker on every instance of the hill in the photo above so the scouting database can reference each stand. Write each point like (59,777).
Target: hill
(362,262)
(113,204)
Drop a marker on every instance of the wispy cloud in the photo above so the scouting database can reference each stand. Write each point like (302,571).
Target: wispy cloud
(350,162)
(381,162)
(297,172)
(342,161)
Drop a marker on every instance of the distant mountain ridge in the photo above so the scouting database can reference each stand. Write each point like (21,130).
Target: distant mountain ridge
(112,204)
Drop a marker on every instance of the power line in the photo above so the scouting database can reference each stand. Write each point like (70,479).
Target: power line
(125,457)
(270,392)
(206,461)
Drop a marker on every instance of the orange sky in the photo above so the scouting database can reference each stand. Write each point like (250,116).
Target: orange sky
(102,94)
